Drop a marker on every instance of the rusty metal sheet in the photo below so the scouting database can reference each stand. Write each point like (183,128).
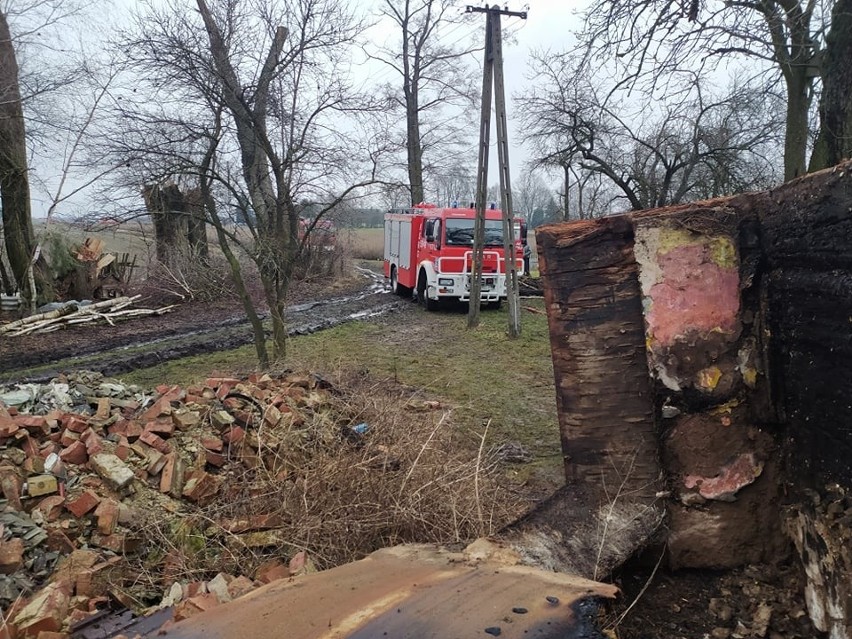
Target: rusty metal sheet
(409,592)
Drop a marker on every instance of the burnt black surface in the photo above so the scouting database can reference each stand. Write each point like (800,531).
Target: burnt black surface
(807,244)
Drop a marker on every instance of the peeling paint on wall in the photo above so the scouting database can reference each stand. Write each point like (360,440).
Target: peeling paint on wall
(691,294)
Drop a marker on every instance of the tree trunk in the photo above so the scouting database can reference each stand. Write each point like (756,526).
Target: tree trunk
(566,196)
(14,183)
(196,225)
(835,138)
(796,125)
(167,209)
(415,150)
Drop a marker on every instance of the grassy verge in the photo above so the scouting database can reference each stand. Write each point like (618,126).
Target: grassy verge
(489,379)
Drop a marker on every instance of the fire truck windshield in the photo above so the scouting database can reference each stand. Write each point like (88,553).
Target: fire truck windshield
(460,232)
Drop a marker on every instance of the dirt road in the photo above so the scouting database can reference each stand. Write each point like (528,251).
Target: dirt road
(192,329)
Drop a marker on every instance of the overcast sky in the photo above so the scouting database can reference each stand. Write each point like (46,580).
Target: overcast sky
(550,25)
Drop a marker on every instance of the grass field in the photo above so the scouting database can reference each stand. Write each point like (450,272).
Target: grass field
(486,378)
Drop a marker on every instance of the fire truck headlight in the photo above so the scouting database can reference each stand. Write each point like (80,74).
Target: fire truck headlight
(445,281)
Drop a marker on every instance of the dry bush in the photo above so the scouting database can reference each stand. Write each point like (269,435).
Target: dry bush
(188,277)
(320,262)
(411,477)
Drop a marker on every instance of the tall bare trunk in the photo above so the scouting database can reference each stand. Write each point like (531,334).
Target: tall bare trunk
(796,124)
(835,138)
(414,148)
(14,182)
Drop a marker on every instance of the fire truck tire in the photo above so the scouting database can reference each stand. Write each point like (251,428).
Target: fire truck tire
(495,305)
(396,287)
(428,304)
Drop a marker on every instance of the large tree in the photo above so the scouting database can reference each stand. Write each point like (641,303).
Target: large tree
(14,180)
(436,88)
(698,145)
(835,136)
(657,38)
(252,102)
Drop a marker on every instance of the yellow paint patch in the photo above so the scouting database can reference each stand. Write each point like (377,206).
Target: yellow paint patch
(722,252)
(726,408)
(708,378)
(675,238)
(749,376)
(721,249)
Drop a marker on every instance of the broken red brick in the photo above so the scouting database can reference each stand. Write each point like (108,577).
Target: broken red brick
(155,441)
(234,435)
(68,437)
(51,507)
(172,478)
(127,428)
(214,459)
(11,484)
(35,424)
(75,453)
(59,542)
(83,503)
(200,486)
(47,634)
(94,443)
(94,581)
(122,451)
(54,418)
(184,418)
(160,427)
(116,542)
(45,611)
(194,605)
(212,443)
(156,462)
(8,427)
(11,555)
(28,445)
(107,514)
(76,424)
(272,570)
(159,408)
(240,586)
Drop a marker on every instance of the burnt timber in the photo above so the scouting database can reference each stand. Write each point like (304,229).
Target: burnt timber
(709,344)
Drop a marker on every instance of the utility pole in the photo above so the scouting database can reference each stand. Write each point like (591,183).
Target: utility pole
(493,69)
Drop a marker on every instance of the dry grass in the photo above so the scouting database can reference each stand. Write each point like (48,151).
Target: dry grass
(364,244)
(336,494)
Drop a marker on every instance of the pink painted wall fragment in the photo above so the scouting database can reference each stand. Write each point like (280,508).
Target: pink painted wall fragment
(695,294)
(731,478)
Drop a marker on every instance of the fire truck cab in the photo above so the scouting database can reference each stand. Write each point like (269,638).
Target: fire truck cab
(429,252)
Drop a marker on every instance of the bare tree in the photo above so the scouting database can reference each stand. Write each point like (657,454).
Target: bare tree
(657,38)
(254,104)
(531,195)
(437,86)
(454,183)
(14,182)
(701,145)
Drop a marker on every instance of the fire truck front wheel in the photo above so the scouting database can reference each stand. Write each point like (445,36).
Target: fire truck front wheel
(396,287)
(428,304)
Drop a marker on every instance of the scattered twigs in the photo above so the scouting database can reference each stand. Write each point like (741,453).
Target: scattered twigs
(108,311)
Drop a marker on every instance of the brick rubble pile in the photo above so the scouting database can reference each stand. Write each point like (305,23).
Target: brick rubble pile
(81,456)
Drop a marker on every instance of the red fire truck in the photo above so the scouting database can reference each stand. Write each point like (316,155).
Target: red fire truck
(429,251)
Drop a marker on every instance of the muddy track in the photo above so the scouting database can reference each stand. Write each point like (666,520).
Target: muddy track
(117,356)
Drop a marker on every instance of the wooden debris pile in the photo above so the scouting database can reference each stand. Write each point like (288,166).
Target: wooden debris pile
(105,312)
(105,275)
(85,462)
